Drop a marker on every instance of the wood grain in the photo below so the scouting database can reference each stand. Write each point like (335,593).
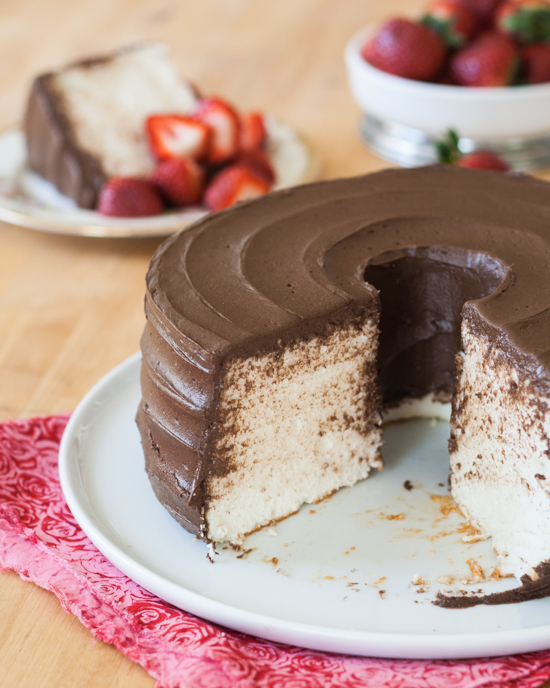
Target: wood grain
(71,308)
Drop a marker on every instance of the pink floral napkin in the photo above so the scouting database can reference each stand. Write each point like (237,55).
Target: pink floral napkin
(41,541)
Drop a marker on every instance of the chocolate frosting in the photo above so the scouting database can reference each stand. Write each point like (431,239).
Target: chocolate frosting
(52,149)
(295,263)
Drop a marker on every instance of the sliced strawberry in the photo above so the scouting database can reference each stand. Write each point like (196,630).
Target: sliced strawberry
(404,48)
(177,136)
(223,122)
(252,132)
(257,162)
(129,197)
(233,184)
(180,181)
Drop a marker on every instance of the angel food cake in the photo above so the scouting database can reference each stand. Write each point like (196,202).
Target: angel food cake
(84,124)
(281,331)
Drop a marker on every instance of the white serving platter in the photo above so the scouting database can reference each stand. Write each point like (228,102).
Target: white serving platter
(337,576)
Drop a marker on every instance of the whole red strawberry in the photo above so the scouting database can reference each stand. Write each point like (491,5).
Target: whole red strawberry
(231,185)
(483,160)
(482,10)
(129,197)
(406,49)
(527,21)
(454,23)
(180,181)
(490,60)
(449,153)
(536,63)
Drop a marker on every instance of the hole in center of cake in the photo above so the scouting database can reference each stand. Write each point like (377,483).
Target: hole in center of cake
(422,293)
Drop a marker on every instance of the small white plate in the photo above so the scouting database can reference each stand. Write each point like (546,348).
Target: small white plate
(335,577)
(27,200)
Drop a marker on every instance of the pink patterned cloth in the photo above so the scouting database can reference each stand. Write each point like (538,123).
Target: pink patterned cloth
(41,541)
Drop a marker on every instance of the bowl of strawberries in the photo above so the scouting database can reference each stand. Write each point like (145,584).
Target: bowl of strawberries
(479,67)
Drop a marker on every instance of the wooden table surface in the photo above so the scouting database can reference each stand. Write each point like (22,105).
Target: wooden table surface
(71,308)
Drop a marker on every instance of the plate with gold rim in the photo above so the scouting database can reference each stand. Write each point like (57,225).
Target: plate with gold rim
(27,200)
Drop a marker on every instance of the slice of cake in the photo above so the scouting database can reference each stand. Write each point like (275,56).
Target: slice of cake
(85,123)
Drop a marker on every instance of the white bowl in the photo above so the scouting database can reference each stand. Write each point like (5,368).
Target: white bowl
(487,114)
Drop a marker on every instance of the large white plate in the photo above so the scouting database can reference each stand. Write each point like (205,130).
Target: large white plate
(27,200)
(336,576)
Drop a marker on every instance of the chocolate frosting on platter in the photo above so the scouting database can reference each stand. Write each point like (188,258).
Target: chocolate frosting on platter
(420,245)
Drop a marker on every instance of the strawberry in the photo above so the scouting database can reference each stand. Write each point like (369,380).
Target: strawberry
(536,63)
(179,180)
(252,132)
(481,10)
(176,136)
(406,49)
(257,162)
(484,160)
(448,152)
(454,23)
(129,197)
(527,21)
(223,122)
(490,60)
(234,183)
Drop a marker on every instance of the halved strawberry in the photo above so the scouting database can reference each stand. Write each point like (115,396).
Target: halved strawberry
(177,136)
(257,161)
(252,132)
(223,122)
(180,181)
(129,197)
(231,185)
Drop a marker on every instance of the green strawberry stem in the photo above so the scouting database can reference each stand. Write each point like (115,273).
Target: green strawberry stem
(447,148)
(529,25)
(444,29)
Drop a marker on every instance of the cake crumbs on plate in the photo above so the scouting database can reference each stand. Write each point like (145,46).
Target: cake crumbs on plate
(382,594)
(245,553)
(418,580)
(271,532)
(445,580)
(446,504)
(471,534)
(476,569)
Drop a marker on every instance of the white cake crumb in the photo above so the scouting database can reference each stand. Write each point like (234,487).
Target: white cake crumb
(445,580)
